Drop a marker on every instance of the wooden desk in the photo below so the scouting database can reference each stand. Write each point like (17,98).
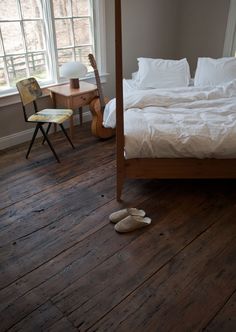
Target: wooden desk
(65,97)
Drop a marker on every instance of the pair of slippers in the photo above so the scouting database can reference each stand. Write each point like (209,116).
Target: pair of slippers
(128,220)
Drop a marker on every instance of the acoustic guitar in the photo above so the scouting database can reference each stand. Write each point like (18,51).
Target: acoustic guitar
(97,106)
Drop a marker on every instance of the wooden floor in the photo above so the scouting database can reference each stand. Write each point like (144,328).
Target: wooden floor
(64,268)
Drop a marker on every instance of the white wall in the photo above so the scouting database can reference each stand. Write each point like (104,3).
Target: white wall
(148,33)
(171,29)
(201,29)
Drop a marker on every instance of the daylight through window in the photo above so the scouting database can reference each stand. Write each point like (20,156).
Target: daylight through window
(230,34)
(37,36)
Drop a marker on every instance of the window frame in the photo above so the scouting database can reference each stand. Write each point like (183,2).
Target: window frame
(98,40)
(230,34)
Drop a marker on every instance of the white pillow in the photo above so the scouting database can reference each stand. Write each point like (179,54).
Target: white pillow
(160,73)
(212,72)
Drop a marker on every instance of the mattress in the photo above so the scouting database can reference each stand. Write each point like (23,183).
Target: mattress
(178,123)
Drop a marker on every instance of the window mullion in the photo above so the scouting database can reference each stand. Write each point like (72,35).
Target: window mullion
(92,27)
(73,29)
(51,40)
(4,59)
(100,33)
(23,35)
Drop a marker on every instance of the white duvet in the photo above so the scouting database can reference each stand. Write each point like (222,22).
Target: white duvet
(178,123)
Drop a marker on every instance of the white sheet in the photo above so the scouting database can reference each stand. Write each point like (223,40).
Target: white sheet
(178,123)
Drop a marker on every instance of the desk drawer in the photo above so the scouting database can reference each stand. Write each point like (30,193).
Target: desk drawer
(85,99)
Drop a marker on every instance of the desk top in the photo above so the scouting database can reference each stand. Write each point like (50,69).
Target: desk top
(66,91)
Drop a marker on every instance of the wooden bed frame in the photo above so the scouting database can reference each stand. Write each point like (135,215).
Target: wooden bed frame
(158,168)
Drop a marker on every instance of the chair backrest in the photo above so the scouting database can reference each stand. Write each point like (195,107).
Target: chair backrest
(29,90)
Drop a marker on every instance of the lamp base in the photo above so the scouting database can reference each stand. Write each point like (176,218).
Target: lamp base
(74,83)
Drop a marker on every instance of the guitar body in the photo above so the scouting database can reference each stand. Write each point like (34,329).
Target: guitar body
(97,128)
(97,106)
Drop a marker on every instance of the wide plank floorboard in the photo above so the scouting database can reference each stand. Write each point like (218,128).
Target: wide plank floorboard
(64,268)
(225,319)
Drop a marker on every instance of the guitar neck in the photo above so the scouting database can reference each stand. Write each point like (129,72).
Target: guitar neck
(99,86)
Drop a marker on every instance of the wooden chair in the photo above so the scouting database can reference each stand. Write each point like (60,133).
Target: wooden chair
(30,91)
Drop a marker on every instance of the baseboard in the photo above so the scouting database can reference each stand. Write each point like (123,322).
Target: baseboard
(26,135)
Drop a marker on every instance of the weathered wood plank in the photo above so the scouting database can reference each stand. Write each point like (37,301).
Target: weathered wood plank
(32,178)
(225,320)
(12,268)
(58,282)
(139,260)
(56,244)
(40,319)
(31,302)
(63,325)
(190,288)
(54,203)
(74,257)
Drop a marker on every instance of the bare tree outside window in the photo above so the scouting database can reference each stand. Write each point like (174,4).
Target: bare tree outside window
(74,30)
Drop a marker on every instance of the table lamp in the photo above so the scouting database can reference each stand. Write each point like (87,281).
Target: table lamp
(73,70)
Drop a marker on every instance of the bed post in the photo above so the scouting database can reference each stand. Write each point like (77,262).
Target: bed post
(119,103)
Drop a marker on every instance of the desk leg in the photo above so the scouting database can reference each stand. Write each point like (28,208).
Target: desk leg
(72,126)
(81,115)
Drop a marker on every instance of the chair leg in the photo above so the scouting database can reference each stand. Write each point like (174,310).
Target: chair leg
(48,128)
(49,143)
(65,133)
(32,140)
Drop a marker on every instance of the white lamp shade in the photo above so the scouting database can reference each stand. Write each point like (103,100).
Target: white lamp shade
(73,69)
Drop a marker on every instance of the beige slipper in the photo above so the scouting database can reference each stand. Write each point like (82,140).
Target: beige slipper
(121,214)
(132,223)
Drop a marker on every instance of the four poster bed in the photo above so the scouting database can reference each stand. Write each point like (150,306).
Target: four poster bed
(145,167)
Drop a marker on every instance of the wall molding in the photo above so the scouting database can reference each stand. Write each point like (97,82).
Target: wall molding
(26,135)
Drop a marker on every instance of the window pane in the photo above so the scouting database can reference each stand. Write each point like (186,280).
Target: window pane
(31,8)
(12,37)
(82,53)
(82,31)
(8,10)
(3,80)
(38,65)
(16,68)
(63,33)
(61,8)
(34,35)
(65,56)
(81,7)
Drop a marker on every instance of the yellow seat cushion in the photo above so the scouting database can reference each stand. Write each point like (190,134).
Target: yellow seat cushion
(51,115)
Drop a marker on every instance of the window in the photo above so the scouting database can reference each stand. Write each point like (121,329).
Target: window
(37,36)
(230,35)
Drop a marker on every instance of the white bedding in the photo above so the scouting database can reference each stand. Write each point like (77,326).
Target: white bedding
(187,122)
